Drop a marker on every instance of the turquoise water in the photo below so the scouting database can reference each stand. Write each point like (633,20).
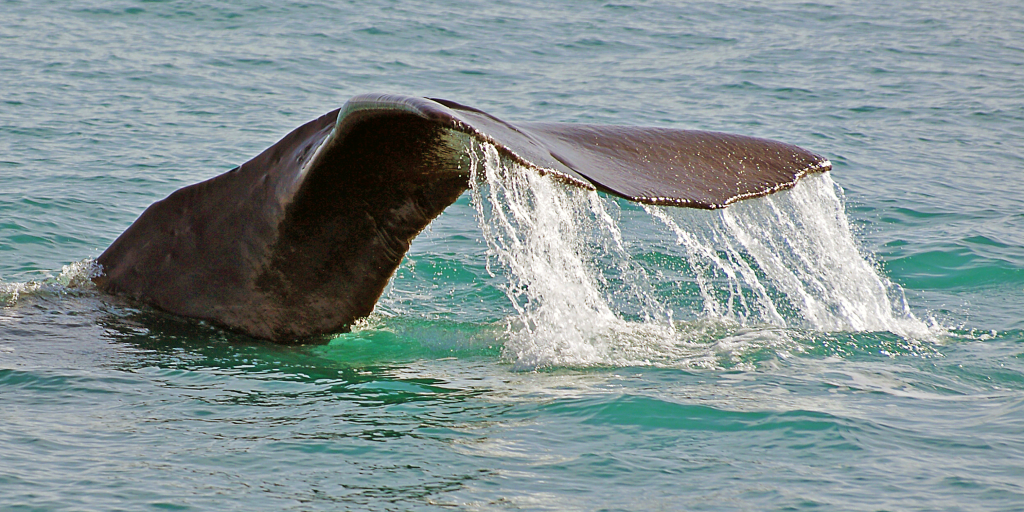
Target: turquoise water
(855,344)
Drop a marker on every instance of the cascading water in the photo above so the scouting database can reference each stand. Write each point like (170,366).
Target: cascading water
(551,237)
(583,295)
(790,259)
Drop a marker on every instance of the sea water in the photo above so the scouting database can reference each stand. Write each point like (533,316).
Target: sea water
(851,344)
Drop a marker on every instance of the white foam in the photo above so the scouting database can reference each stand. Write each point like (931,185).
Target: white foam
(73,276)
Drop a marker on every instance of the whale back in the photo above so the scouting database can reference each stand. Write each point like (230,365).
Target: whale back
(302,239)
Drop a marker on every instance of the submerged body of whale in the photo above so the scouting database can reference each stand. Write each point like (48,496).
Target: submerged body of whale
(303,239)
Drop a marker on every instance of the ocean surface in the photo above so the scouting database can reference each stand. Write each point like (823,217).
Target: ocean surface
(856,343)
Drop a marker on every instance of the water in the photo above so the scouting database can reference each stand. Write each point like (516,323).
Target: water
(852,344)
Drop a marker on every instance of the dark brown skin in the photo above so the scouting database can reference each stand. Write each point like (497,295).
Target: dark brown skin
(281,254)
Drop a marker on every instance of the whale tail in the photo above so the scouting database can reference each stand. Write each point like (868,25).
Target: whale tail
(302,239)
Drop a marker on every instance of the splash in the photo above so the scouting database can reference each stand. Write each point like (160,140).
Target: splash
(584,295)
(73,276)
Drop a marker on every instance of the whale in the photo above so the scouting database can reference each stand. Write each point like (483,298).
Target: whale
(301,241)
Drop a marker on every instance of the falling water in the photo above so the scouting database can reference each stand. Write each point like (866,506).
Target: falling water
(551,237)
(584,295)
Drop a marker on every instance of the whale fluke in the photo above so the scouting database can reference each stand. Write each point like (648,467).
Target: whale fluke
(302,239)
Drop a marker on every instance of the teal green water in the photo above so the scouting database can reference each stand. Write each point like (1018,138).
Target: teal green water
(476,385)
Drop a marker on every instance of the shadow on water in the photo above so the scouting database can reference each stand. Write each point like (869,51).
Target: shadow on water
(378,341)
(369,366)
